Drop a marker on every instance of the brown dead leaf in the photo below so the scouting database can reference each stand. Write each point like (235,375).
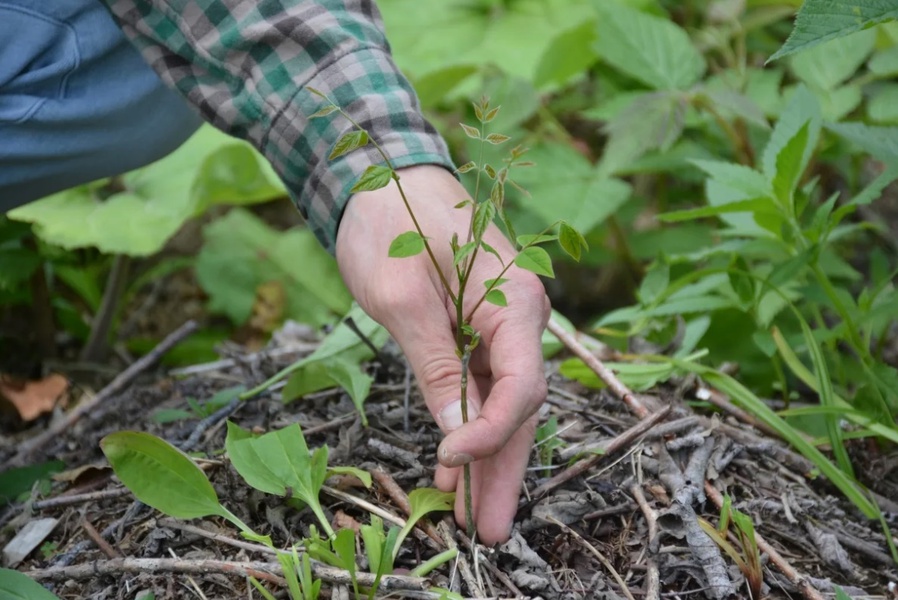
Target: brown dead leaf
(31,399)
(83,474)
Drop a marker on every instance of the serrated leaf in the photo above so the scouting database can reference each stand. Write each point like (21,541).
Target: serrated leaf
(349,142)
(324,111)
(471,132)
(653,50)
(741,281)
(789,165)
(802,109)
(497,138)
(535,260)
(880,142)
(483,217)
(884,62)
(753,205)
(406,244)
(463,252)
(569,55)
(882,107)
(468,166)
(160,475)
(375,177)
(819,21)
(18,586)
(496,297)
(571,241)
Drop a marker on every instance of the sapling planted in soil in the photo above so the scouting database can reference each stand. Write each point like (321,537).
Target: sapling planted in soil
(467,245)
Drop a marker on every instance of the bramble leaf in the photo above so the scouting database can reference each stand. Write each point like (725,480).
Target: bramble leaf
(483,216)
(375,177)
(789,165)
(535,260)
(496,297)
(819,21)
(406,244)
(571,241)
(348,143)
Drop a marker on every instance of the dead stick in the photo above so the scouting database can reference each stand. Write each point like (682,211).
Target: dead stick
(268,571)
(604,373)
(624,440)
(79,498)
(795,578)
(115,386)
(218,537)
(398,495)
(485,561)
(653,576)
(102,544)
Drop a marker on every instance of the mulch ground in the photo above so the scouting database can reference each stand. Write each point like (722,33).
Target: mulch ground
(615,516)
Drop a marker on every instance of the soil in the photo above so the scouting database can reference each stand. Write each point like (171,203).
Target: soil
(625,527)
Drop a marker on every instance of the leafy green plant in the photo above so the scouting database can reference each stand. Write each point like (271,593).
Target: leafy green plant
(745,552)
(465,247)
(197,409)
(547,441)
(18,585)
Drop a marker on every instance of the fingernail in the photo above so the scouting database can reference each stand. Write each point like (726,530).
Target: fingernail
(456,460)
(450,416)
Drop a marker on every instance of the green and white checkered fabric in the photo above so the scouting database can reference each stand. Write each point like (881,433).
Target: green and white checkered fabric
(246,65)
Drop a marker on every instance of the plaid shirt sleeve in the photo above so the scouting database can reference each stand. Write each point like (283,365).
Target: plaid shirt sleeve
(246,65)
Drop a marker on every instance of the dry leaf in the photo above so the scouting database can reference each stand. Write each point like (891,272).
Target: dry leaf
(31,399)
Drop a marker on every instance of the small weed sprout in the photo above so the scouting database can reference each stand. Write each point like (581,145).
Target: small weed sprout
(465,246)
(744,552)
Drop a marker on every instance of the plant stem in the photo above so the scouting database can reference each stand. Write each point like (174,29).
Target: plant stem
(440,559)
(98,342)
(469,511)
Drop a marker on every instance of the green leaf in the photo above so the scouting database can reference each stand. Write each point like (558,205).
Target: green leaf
(882,107)
(323,112)
(344,547)
(20,480)
(279,460)
(423,501)
(16,266)
(480,34)
(241,253)
(406,244)
(497,138)
(496,297)
(651,49)
(373,538)
(483,217)
(160,475)
(354,380)
(819,21)
(536,260)
(826,66)
(803,109)
(741,280)
(361,474)
(568,56)
(534,239)
(18,586)
(468,166)
(494,282)
(884,63)
(158,199)
(789,166)
(754,205)
(375,177)
(571,241)
(880,142)
(463,252)
(576,192)
(471,132)
(348,143)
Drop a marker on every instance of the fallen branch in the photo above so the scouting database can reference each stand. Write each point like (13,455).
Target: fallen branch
(653,576)
(614,384)
(118,384)
(398,495)
(795,578)
(59,501)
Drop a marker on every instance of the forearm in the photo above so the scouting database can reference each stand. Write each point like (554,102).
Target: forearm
(246,65)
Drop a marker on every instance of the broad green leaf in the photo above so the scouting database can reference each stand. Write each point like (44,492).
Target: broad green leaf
(571,241)
(655,282)
(423,501)
(361,474)
(406,244)
(460,32)
(802,109)
(576,192)
(157,199)
(373,537)
(279,460)
(354,380)
(754,205)
(344,547)
(494,282)
(20,480)
(313,377)
(880,142)
(435,86)
(731,103)
(241,254)
(653,121)
(745,180)
(374,178)
(741,280)
(789,166)
(653,50)
(570,54)
(160,475)
(882,107)
(16,266)
(496,297)
(536,260)
(827,65)
(639,377)
(18,586)
(884,62)
(349,142)
(819,21)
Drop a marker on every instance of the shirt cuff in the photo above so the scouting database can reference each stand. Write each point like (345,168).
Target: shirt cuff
(368,86)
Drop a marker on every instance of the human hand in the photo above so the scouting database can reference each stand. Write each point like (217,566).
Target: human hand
(406,296)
